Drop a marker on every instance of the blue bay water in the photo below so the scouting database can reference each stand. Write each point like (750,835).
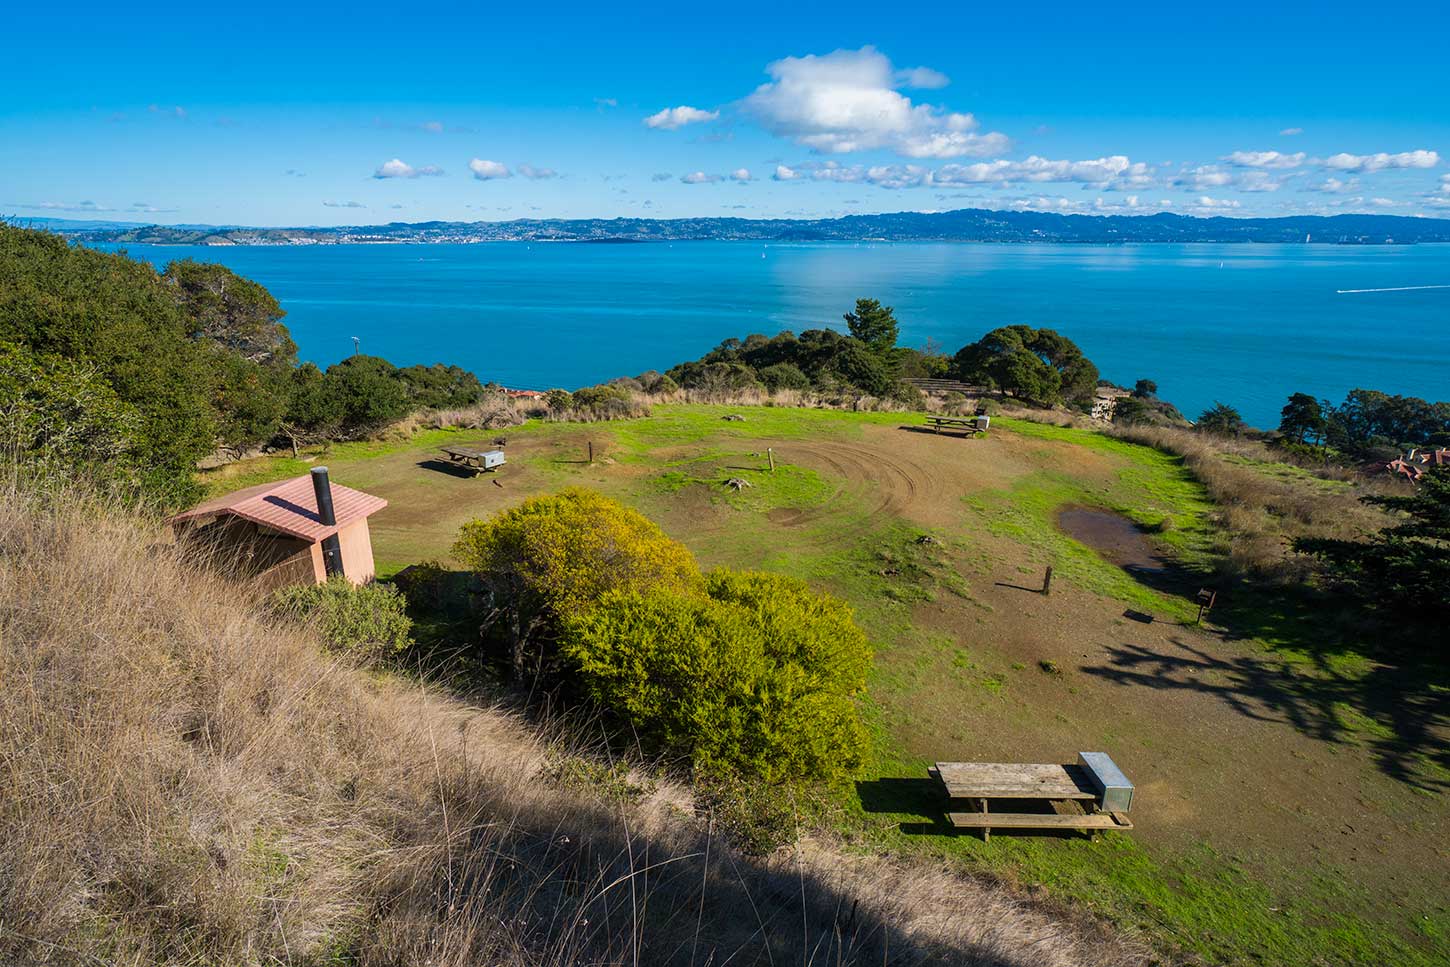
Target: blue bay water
(1245,324)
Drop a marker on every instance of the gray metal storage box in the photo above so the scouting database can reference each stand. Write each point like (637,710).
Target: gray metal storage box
(1114,789)
(493,458)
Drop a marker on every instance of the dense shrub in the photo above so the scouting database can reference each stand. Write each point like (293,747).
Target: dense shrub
(559,400)
(556,555)
(754,676)
(784,376)
(368,620)
(61,417)
(1039,365)
(113,315)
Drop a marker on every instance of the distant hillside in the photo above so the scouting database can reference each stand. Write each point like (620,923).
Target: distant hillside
(965,225)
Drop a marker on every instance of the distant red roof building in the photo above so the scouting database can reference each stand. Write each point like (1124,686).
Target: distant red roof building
(276,530)
(525,394)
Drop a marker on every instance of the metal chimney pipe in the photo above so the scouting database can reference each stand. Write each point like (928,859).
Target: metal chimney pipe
(331,546)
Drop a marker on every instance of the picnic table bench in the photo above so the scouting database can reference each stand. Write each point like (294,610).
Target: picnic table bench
(971,424)
(1094,782)
(479,461)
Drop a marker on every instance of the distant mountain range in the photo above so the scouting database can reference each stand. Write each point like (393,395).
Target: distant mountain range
(965,225)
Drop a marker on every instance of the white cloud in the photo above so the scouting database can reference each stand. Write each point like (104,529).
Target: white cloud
(1257,181)
(537,174)
(1334,186)
(1384,202)
(846,101)
(661,176)
(1291,132)
(78,206)
(488,170)
(1116,170)
(604,102)
(922,78)
(740,174)
(398,168)
(1043,203)
(677,117)
(699,178)
(343,204)
(1378,162)
(432,127)
(1265,159)
(782,173)
(1205,176)
(1217,204)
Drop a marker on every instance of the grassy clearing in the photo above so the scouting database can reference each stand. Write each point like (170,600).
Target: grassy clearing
(932,676)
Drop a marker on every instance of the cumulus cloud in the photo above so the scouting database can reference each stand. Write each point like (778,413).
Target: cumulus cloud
(1116,171)
(488,170)
(922,78)
(1291,132)
(740,174)
(343,204)
(847,101)
(1257,181)
(1378,162)
(537,174)
(1333,186)
(397,168)
(782,173)
(1217,204)
(1044,203)
(699,178)
(1265,159)
(672,118)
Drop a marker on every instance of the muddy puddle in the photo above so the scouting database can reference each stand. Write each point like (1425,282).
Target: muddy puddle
(1112,535)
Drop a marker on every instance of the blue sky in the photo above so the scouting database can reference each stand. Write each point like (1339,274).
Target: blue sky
(302,114)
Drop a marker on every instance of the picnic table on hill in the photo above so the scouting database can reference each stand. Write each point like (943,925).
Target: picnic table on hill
(1094,782)
(479,461)
(971,424)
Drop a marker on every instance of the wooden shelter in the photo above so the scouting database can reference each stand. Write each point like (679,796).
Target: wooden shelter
(297,531)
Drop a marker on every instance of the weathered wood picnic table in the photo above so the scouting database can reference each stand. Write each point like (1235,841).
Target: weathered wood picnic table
(479,461)
(1093,781)
(972,424)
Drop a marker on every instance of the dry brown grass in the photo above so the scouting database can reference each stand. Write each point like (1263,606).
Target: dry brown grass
(1264,499)
(183,783)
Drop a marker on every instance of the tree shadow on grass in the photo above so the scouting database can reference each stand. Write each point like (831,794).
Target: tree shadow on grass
(1399,711)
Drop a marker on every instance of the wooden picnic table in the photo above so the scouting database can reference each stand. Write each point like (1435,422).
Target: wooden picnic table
(1091,782)
(972,424)
(473,459)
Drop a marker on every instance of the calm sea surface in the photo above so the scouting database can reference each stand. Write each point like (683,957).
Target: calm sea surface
(1245,324)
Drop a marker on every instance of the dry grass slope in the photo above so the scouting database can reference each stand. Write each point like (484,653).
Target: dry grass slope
(182,783)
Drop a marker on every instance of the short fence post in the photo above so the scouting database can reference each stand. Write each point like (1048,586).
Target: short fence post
(770,455)
(591,451)
(1047,581)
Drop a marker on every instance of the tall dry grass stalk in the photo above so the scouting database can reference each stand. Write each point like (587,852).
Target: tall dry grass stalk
(183,783)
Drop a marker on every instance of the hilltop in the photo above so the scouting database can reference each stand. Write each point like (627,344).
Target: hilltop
(963,225)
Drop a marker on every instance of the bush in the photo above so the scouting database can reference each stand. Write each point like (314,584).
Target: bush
(754,676)
(559,400)
(758,817)
(369,620)
(557,555)
(784,376)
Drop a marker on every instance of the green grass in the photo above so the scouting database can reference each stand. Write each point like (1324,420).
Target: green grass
(1221,907)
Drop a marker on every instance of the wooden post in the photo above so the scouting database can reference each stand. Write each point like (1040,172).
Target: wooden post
(986,830)
(770,455)
(1047,581)
(591,451)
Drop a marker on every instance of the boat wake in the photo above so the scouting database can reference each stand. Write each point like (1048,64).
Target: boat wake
(1397,288)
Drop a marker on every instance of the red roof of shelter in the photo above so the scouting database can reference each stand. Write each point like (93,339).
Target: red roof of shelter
(290,507)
